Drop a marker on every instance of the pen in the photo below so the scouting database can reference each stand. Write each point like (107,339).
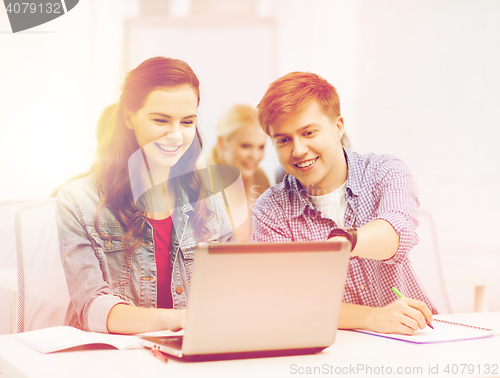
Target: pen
(158,354)
(397,292)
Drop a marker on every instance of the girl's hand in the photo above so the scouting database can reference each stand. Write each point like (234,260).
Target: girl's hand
(175,320)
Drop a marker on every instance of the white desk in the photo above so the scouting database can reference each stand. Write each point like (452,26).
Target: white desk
(351,353)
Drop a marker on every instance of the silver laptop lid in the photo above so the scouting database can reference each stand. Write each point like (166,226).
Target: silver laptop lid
(265,296)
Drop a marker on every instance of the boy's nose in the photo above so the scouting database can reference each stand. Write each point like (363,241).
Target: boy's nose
(299,149)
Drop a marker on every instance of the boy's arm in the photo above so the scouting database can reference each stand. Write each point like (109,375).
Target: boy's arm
(389,237)
(377,240)
(392,234)
(397,208)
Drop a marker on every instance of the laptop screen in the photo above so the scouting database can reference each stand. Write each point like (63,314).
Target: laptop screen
(265,296)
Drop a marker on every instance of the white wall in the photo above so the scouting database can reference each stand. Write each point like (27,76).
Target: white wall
(55,80)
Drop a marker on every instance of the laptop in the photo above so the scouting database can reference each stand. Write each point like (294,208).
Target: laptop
(260,299)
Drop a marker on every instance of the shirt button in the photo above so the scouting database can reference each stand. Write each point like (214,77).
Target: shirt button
(362,287)
(179,289)
(180,219)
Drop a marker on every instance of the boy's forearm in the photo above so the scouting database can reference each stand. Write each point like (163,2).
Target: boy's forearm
(377,240)
(353,316)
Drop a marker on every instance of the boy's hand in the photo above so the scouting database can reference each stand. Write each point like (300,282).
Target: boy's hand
(403,316)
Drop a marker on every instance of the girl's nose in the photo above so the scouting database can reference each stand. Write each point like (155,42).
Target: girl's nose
(175,136)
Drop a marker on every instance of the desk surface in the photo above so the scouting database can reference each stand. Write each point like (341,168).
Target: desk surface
(352,354)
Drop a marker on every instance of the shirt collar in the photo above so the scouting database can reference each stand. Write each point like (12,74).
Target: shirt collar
(297,196)
(354,177)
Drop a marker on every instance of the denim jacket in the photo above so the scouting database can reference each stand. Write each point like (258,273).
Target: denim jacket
(99,272)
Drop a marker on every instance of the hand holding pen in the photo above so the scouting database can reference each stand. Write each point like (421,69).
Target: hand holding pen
(399,295)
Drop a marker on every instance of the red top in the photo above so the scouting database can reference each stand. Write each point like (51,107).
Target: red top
(161,236)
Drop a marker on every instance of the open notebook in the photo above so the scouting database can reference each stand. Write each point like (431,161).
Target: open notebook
(54,339)
(444,331)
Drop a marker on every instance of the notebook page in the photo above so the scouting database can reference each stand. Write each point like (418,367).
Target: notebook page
(443,331)
(58,338)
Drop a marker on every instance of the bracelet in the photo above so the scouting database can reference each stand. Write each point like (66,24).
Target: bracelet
(350,233)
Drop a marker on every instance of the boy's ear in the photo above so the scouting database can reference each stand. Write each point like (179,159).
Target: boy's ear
(126,118)
(340,127)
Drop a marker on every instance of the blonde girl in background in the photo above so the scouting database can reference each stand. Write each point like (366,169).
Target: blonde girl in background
(240,143)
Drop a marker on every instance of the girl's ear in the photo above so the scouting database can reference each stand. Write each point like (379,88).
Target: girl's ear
(127,115)
(221,143)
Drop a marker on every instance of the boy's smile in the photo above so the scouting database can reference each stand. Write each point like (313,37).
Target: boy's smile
(306,164)
(309,147)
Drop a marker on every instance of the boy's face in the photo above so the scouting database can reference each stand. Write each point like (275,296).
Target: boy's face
(309,147)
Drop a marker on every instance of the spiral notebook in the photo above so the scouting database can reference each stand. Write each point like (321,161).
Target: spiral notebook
(444,331)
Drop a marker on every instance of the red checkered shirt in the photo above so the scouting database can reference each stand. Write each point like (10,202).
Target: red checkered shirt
(378,187)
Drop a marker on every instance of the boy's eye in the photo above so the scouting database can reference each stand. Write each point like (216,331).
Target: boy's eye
(160,120)
(187,122)
(246,146)
(282,141)
(308,133)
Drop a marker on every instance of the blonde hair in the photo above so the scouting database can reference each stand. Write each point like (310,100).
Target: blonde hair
(231,121)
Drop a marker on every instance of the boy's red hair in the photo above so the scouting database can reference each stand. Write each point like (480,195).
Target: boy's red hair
(289,95)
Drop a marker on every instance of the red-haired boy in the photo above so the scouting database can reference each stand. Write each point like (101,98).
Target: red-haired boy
(331,192)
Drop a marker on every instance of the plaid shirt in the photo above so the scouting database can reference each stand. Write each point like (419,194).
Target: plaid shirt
(378,187)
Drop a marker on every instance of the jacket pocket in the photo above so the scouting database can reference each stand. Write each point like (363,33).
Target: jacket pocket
(114,261)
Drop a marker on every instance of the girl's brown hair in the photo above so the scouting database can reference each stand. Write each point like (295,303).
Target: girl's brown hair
(118,143)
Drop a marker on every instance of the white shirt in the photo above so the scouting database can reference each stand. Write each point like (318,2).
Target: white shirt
(332,205)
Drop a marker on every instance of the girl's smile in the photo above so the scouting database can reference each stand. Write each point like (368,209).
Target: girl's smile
(169,150)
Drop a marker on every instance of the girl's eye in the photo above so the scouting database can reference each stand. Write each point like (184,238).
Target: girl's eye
(161,120)
(308,133)
(246,146)
(187,122)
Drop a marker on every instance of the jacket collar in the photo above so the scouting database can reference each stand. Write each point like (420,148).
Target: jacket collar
(183,203)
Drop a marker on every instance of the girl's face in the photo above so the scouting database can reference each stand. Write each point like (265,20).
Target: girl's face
(244,150)
(165,126)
